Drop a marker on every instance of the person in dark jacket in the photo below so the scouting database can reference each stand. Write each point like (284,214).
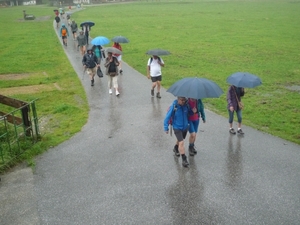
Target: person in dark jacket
(179,112)
(90,63)
(81,42)
(234,95)
(74,29)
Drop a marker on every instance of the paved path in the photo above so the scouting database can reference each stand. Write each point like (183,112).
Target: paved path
(120,169)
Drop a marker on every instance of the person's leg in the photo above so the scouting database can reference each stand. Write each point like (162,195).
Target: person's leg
(115,83)
(180,135)
(193,129)
(83,50)
(153,79)
(231,114)
(110,84)
(158,86)
(239,116)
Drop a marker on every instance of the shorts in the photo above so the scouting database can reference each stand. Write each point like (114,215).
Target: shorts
(154,79)
(64,37)
(91,71)
(74,31)
(180,134)
(193,128)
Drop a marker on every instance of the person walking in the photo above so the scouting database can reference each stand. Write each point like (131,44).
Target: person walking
(86,30)
(57,20)
(74,28)
(81,39)
(179,112)
(64,33)
(118,56)
(111,64)
(234,95)
(154,71)
(194,121)
(97,49)
(90,63)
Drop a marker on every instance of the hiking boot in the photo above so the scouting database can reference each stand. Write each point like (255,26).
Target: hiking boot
(232,131)
(152,92)
(121,71)
(192,150)
(185,163)
(240,131)
(158,95)
(92,82)
(175,150)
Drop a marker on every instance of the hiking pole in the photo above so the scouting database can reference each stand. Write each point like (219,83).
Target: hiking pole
(83,73)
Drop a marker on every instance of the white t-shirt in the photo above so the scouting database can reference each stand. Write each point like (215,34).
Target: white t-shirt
(155,68)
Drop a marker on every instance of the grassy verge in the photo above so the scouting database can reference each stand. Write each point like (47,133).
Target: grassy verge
(32,60)
(214,39)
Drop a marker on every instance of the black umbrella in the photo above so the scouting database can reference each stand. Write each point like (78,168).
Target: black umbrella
(120,39)
(158,52)
(90,23)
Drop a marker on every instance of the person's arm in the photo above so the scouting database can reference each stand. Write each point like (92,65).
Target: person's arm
(161,62)
(148,69)
(167,118)
(201,110)
(229,100)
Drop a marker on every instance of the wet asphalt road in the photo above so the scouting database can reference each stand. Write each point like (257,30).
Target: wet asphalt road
(120,169)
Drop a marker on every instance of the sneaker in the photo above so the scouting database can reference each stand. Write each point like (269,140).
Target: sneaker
(192,150)
(121,71)
(240,131)
(232,131)
(158,95)
(152,92)
(110,91)
(175,150)
(185,163)
(117,93)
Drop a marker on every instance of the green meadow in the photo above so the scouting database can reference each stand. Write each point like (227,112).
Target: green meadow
(210,39)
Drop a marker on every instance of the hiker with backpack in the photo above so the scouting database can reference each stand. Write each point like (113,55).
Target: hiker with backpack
(81,42)
(64,33)
(90,63)
(74,29)
(111,64)
(57,19)
(179,112)
(194,121)
(118,56)
(154,71)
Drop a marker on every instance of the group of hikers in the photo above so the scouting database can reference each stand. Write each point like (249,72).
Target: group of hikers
(184,113)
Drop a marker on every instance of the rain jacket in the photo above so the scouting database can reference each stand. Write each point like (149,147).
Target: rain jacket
(74,26)
(180,118)
(81,40)
(200,111)
(231,97)
(90,61)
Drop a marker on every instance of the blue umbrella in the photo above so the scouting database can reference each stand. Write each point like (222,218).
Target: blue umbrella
(197,88)
(100,40)
(243,79)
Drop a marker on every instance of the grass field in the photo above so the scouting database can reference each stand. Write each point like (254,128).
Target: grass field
(34,66)
(210,39)
(214,39)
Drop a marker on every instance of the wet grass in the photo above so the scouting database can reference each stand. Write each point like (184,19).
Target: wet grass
(32,48)
(214,39)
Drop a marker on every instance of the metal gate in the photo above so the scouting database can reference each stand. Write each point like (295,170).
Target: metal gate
(19,130)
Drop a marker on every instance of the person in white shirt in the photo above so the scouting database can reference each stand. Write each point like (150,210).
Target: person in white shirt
(154,71)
